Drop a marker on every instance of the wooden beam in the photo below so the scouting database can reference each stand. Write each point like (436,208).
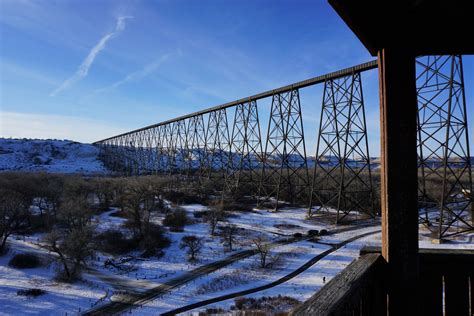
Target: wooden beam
(398,108)
(348,290)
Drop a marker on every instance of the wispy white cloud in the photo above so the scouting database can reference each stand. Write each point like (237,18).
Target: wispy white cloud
(83,69)
(10,70)
(44,126)
(137,75)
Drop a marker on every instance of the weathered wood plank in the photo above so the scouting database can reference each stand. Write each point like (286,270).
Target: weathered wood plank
(346,289)
(471,292)
(444,261)
(456,294)
(398,176)
(431,293)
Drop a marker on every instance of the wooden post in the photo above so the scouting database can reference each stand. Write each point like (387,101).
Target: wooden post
(398,108)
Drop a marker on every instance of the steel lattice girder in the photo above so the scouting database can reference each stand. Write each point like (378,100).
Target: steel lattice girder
(298,85)
(442,136)
(169,149)
(141,152)
(244,159)
(342,154)
(154,150)
(285,167)
(180,147)
(196,145)
(217,143)
(125,153)
(163,153)
(443,146)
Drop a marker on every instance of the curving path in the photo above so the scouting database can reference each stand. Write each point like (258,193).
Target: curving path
(287,277)
(138,299)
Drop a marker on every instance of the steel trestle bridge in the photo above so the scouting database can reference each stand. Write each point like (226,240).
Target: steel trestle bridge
(226,142)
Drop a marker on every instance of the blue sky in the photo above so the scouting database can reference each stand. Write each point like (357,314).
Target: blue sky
(86,70)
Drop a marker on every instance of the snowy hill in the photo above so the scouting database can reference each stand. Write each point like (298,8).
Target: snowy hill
(57,156)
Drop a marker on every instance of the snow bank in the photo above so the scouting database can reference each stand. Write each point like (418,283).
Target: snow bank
(55,156)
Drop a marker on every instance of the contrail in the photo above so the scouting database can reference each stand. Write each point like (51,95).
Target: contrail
(83,69)
(138,75)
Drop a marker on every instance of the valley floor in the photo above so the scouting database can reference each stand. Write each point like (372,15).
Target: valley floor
(101,285)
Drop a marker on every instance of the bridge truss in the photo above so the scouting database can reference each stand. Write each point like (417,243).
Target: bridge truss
(228,143)
(443,147)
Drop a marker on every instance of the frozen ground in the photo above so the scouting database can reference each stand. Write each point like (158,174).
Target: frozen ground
(150,272)
(57,156)
(247,275)
(60,298)
(312,280)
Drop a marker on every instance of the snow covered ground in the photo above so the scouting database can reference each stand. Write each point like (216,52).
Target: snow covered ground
(239,276)
(57,156)
(306,284)
(149,272)
(101,282)
(60,298)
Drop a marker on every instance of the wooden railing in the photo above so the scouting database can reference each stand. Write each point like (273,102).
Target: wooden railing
(446,286)
(447,282)
(356,290)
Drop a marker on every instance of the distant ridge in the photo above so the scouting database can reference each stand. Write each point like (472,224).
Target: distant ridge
(66,156)
(49,155)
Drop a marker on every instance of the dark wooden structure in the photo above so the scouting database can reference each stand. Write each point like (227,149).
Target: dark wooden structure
(361,287)
(402,280)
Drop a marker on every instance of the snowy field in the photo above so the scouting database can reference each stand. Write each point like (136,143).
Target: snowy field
(101,284)
(303,286)
(56,156)
(60,298)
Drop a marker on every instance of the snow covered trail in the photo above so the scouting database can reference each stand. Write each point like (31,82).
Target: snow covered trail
(287,277)
(139,299)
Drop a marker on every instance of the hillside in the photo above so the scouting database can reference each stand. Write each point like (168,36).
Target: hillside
(56,156)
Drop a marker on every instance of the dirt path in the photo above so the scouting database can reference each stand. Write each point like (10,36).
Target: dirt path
(137,299)
(287,277)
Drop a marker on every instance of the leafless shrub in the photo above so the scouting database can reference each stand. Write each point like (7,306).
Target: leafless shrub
(228,235)
(213,216)
(74,213)
(31,292)
(25,261)
(73,248)
(193,245)
(114,241)
(176,219)
(274,305)
(263,249)
(13,215)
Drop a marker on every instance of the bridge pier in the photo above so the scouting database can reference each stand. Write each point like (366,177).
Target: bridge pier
(284,164)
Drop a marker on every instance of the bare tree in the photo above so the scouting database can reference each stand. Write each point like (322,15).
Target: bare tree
(13,214)
(52,242)
(104,190)
(49,190)
(215,215)
(73,248)
(176,219)
(193,244)
(120,190)
(228,235)
(263,248)
(74,213)
(78,247)
(140,200)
